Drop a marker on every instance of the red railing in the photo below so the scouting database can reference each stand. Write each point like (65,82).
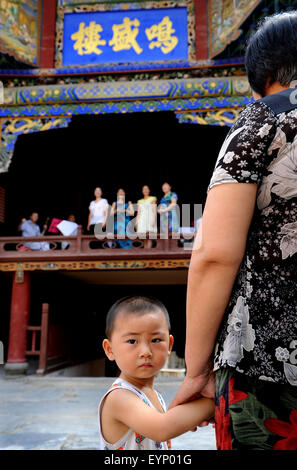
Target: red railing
(89,246)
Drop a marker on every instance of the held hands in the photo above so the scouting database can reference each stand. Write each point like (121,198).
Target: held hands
(202,385)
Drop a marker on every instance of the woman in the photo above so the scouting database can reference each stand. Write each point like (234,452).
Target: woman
(98,211)
(169,221)
(146,220)
(241,335)
(123,211)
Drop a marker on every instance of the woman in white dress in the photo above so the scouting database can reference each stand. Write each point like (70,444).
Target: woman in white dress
(98,211)
(146,220)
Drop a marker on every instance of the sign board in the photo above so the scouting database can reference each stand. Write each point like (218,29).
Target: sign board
(146,35)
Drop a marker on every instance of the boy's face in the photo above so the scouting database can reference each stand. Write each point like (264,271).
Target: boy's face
(140,344)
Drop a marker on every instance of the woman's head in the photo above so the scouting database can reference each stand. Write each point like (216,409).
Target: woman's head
(271,52)
(166,188)
(146,190)
(121,192)
(98,192)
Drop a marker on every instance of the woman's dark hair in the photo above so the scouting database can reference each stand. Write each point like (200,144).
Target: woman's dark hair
(136,305)
(272,52)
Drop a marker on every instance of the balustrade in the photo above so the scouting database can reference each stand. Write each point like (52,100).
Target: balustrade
(109,245)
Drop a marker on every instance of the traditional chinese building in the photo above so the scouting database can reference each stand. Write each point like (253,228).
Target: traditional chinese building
(117,95)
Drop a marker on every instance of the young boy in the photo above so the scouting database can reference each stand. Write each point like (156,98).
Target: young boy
(134,415)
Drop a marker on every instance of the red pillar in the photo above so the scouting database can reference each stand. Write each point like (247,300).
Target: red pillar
(47,34)
(201,28)
(19,318)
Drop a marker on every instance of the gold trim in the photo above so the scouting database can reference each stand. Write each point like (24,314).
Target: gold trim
(96,265)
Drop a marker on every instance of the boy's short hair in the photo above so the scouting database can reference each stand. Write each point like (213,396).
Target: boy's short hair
(137,305)
(271,51)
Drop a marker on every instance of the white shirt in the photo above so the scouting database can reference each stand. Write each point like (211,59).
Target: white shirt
(131,440)
(97,211)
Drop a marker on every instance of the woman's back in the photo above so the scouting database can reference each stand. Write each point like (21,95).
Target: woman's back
(260,319)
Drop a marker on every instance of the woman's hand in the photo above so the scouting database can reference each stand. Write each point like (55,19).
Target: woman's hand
(193,388)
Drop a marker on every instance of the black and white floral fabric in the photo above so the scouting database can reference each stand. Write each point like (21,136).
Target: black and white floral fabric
(258,336)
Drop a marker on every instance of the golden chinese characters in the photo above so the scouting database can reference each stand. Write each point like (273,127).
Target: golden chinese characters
(124,36)
(88,39)
(162,32)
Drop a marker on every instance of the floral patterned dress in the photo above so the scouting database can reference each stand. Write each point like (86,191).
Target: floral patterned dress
(258,335)
(169,221)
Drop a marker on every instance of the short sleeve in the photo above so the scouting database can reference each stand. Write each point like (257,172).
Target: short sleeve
(243,155)
(174,196)
(105,202)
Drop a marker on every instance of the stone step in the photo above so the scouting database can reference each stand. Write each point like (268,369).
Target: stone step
(172,373)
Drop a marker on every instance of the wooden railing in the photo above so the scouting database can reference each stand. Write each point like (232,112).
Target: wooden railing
(40,344)
(91,246)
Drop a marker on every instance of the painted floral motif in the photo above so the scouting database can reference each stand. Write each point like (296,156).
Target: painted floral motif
(260,317)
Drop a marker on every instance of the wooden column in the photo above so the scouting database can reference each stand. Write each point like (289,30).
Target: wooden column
(201,29)
(48,10)
(19,319)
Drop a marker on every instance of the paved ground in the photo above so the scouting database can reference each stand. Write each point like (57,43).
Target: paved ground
(40,413)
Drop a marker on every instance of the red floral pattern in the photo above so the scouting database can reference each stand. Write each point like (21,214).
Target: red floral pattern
(284,429)
(235,395)
(223,418)
(223,435)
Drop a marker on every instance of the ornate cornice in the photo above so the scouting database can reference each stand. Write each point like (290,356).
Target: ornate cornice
(126,90)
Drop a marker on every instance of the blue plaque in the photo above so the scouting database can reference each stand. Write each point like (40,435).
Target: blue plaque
(92,38)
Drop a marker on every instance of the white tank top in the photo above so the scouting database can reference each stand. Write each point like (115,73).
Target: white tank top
(131,440)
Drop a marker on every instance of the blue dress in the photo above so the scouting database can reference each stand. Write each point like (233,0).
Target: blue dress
(169,220)
(121,221)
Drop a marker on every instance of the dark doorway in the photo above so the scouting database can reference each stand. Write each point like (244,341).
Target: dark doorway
(80,310)
(55,172)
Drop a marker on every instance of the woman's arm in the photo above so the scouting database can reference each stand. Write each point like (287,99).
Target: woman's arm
(113,209)
(168,208)
(89,220)
(217,254)
(105,216)
(138,215)
(155,425)
(130,210)
(154,221)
